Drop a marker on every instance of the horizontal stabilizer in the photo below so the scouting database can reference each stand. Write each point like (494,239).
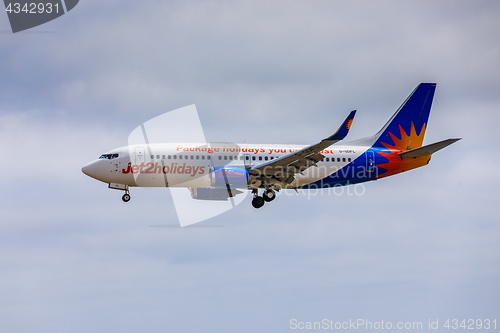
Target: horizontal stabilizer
(427,150)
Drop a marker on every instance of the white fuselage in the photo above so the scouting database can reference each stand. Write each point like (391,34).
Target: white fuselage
(189,165)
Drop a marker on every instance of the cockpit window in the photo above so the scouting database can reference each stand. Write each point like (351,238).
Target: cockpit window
(109,156)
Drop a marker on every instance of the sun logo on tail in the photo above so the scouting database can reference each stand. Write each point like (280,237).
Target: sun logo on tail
(395,164)
(406,142)
(349,123)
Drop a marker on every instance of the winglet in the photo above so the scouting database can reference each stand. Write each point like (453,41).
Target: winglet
(343,129)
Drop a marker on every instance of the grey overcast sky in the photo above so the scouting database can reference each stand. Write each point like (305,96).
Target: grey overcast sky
(417,246)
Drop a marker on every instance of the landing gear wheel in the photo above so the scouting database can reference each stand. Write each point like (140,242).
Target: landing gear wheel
(126,197)
(258,202)
(269,195)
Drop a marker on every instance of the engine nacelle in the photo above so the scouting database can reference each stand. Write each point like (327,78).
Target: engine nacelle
(202,193)
(221,176)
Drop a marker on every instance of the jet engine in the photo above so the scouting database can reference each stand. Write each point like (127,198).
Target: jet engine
(222,176)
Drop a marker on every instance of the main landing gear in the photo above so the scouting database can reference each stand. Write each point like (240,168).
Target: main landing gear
(269,195)
(258,201)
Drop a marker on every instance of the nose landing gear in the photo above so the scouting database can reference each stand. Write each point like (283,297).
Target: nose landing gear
(123,187)
(126,197)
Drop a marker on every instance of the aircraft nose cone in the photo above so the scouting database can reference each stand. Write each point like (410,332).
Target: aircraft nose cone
(90,169)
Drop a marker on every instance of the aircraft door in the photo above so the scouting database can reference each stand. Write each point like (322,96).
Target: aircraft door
(370,163)
(247,159)
(139,155)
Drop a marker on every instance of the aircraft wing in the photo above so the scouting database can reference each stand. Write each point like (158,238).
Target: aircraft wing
(284,168)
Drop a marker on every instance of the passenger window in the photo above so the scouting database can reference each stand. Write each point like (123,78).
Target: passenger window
(266,158)
(186,157)
(260,158)
(175,157)
(241,158)
(253,158)
(157,157)
(338,159)
(272,158)
(152,157)
(247,157)
(169,157)
(328,159)
(197,157)
(202,157)
(180,157)
(220,157)
(225,157)
(348,160)
(163,156)
(343,160)
(192,157)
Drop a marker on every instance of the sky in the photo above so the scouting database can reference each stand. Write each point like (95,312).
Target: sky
(419,246)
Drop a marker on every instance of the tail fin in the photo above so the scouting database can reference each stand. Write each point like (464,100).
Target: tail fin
(406,128)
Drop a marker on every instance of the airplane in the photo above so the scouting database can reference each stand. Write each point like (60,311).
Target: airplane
(220,171)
